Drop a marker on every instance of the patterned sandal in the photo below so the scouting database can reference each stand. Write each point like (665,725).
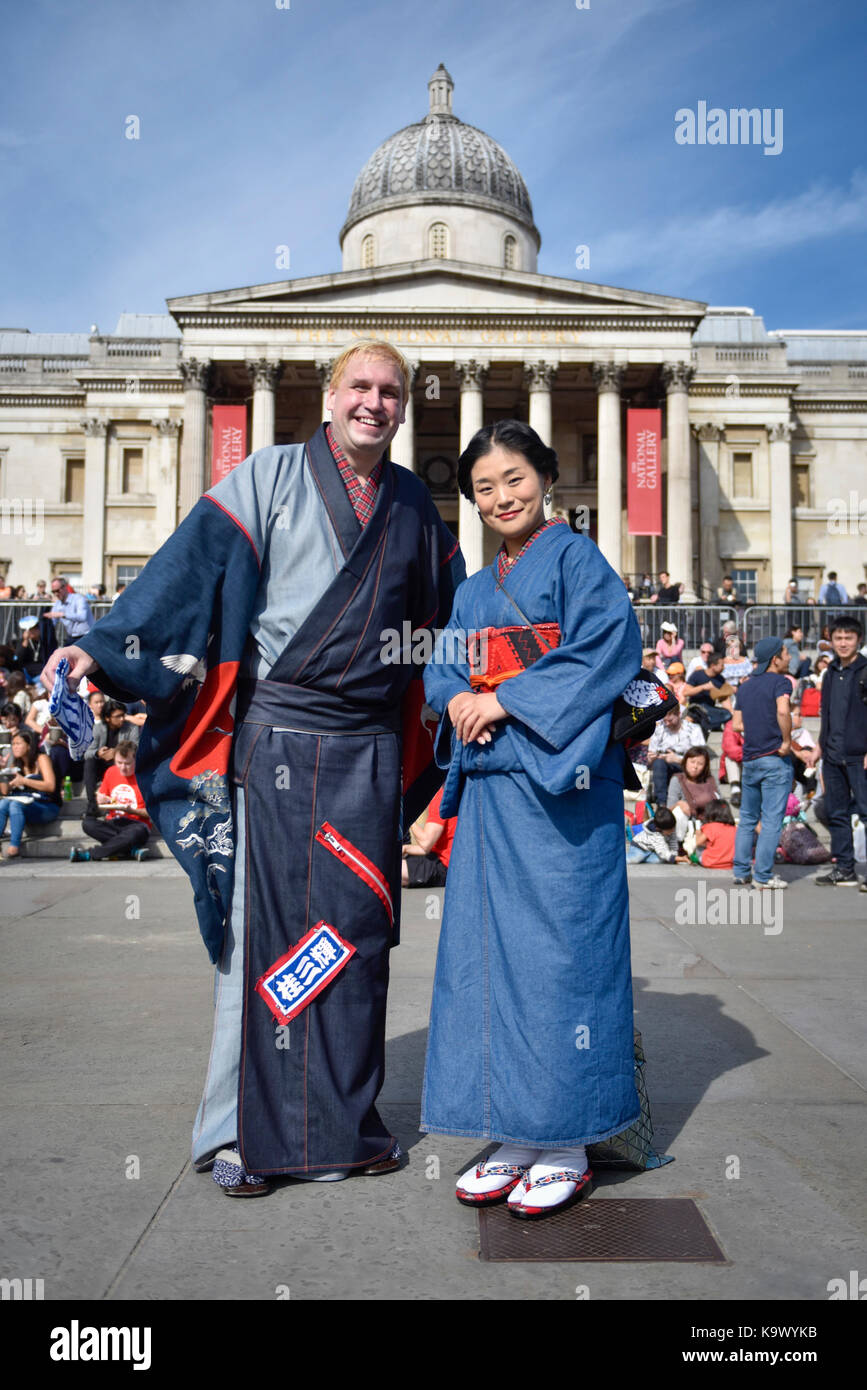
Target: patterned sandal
(511,1174)
(524,1209)
(231,1175)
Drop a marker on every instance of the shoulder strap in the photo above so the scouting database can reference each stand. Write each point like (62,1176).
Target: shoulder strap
(522,615)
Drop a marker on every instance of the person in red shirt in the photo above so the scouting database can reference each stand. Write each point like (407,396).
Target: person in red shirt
(425,863)
(715,839)
(124,827)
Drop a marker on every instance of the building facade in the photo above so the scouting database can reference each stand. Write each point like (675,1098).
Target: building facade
(105,439)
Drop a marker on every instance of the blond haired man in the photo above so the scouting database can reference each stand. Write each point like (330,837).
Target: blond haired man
(279,742)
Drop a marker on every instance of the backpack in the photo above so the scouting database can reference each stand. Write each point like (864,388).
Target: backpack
(833,595)
(801,845)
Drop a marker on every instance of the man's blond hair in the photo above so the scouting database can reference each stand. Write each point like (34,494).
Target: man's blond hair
(371,347)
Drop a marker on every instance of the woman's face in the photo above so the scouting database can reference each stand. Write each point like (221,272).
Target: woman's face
(509,493)
(20,747)
(10,721)
(693,767)
(97,703)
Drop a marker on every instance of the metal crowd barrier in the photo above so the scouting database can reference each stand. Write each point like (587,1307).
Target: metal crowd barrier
(813,618)
(12,610)
(695,622)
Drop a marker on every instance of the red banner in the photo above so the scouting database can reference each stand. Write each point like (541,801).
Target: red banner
(229,430)
(644,478)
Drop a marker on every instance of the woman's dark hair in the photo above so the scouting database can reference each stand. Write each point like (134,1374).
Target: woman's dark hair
(699,750)
(15,683)
(663,819)
(32,745)
(10,709)
(718,811)
(515,436)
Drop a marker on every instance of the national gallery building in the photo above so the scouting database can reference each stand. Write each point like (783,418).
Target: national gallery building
(106,441)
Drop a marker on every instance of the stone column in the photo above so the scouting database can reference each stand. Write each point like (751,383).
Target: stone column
(471,376)
(323,371)
(167,478)
(677,376)
(193,478)
(710,564)
(93,529)
(265,377)
(403,445)
(538,378)
(781,549)
(608,377)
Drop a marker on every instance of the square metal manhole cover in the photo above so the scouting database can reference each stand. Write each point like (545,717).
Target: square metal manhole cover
(608,1229)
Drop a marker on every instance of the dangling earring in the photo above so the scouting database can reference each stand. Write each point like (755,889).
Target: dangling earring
(547,498)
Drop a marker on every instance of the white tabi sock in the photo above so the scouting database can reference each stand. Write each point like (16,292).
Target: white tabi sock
(551,1161)
(512,1154)
(319,1177)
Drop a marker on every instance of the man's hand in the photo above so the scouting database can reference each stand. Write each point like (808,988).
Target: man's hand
(473,715)
(80,664)
(785,748)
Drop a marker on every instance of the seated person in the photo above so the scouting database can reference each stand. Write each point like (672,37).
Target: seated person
(669,741)
(10,722)
(114,729)
(656,841)
(38,641)
(425,863)
(28,790)
(691,789)
(708,687)
(715,837)
(125,825)
(804,753)
(698,663)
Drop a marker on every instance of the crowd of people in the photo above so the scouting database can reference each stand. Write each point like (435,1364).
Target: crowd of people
(778,776)
(37,768)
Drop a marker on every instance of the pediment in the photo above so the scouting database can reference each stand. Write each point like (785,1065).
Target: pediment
(436,285)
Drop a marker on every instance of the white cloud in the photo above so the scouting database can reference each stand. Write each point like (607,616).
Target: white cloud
(728,235)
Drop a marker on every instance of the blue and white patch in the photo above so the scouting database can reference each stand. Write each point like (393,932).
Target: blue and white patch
(291,982)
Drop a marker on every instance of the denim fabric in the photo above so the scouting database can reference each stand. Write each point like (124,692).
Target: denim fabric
(217,1119)
(845,792)
(636,855)
(661,774)
(19,814)
(531,1037)
(765,786)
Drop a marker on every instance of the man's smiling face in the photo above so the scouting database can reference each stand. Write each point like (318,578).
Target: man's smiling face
(367,406)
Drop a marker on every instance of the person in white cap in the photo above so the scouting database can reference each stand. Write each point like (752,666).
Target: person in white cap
(669,647)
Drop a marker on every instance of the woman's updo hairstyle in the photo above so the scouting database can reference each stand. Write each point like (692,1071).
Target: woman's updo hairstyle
(515,436)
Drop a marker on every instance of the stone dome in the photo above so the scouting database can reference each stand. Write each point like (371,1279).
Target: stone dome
(440,160)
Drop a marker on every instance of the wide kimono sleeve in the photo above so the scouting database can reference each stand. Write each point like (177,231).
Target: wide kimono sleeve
(558,732)
(175,638)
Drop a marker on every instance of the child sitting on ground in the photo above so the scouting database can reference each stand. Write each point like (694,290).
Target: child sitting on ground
(656,841)
(715,837)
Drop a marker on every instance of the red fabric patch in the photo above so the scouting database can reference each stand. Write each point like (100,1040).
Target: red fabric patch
(206,740)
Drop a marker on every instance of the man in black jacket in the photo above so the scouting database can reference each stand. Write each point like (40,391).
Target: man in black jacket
(843,743)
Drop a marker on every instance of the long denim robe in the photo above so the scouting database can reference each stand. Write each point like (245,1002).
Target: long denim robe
(531,1029)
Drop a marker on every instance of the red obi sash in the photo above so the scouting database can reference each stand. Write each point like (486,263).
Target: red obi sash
(498,653)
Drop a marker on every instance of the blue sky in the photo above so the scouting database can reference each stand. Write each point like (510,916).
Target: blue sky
(254,122)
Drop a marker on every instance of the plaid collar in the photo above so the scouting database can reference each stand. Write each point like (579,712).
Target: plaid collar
(505,564)
(362,495)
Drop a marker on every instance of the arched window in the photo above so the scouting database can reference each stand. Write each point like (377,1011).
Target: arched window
(510,252)
(368,252)
(438,241)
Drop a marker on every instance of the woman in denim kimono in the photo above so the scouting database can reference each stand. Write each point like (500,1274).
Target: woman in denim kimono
(531,1032)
